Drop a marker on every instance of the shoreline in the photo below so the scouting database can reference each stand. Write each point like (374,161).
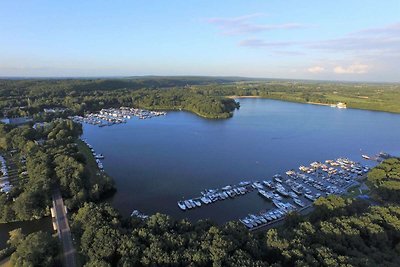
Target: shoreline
(319,104)
(244,96)
(314,103)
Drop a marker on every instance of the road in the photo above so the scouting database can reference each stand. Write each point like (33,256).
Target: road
(63,230)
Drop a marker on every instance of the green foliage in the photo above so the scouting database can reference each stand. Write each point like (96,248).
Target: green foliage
(55,163)
(159,241)
(16,237)
(385,180)
(354,235)
(81,96)
(37,249)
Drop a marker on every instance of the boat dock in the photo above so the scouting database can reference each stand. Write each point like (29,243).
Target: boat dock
(293,191)
(97,157)
(113,116)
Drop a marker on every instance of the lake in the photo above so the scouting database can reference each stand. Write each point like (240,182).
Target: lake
(158,161)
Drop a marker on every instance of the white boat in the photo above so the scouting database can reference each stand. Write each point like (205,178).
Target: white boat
(205,200)
(278,204)
(193,203)
(228,187)
(310,197)
(268,195)
(197,203)
(181,205)
(99,156)
(298,202)
(231,193)
(247,223)
(188,204)
(282,191)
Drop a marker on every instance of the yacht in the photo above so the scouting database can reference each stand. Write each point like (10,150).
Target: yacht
(99,156)
(310,197)
(298,202)
(205,200)
(228,187)
(247,223)
(278,204)
(231,193)
(281,190)
(181,205)
(188,204)
(197,202)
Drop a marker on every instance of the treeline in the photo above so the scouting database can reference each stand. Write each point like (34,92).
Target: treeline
(340,232)
(201,95)
(46,158)
(381,97)
(29,97)
(35,249)
(384,180)
(214,107)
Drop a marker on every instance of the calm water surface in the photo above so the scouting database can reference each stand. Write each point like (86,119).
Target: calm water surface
(158,161)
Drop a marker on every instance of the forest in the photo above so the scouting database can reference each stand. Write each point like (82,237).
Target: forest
(205,96)
(46,158)
(30,97)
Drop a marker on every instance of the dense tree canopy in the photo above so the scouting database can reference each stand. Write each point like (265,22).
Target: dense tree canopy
(54,162)
(352,235)
(37,249)
(385,180)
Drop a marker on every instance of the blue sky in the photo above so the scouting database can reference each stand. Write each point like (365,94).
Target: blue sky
(335,40)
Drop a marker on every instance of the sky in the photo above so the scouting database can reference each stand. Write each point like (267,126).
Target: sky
(321,40)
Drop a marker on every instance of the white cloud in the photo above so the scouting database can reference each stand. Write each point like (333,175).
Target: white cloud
(316,69)
(243,25)
(352,69)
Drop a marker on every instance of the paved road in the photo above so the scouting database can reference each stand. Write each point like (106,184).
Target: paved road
(64,232)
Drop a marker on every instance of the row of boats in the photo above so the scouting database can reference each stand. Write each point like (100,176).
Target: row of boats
(98,157)
(212,195)
(266,217)
(126,112)
(311,183)
(296,190)
(5,185)
(112,116)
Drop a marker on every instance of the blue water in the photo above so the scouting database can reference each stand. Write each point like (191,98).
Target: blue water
(158,161)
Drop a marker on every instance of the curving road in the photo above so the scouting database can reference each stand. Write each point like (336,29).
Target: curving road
(63,230)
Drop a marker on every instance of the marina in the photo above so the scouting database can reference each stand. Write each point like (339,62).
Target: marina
(174,158)
(293,191)
(112,116)
(97,157)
